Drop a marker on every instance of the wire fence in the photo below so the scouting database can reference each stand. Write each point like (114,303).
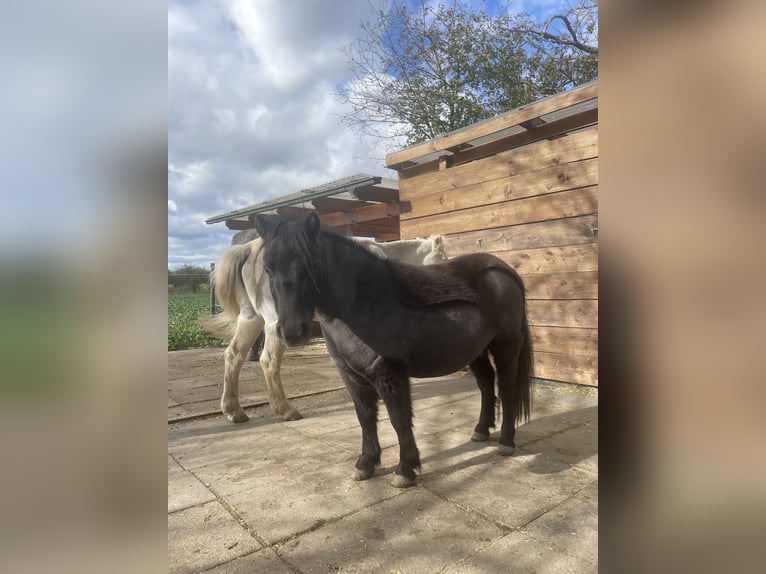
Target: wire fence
(193,284)
(189,283)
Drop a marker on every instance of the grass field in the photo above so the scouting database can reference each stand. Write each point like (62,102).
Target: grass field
(184,332)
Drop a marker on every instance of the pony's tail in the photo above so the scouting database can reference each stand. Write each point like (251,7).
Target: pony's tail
(524,374)
(227,279)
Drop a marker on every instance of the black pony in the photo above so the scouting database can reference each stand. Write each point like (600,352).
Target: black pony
(385,321)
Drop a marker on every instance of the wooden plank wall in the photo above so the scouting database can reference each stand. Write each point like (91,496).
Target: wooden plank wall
(535,207)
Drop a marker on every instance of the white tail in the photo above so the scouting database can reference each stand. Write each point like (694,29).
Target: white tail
(227,279)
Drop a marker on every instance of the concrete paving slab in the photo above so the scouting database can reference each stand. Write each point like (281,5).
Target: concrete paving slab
(413,532)
(503,489)
(205,536)
(576,446)
(275,496)
(273,463)
(520,553)
(217,440)
(554,411)
(572,526)
(184,489)
(304,495)
(560,541)
(264,561)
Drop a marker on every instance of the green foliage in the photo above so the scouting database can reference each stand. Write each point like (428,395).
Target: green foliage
(189,279)
(421,71)
(184,332)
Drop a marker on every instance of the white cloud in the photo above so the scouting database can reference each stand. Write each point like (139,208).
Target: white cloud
(251,110)
(191,179)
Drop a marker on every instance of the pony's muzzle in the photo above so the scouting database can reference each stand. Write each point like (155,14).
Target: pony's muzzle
(294,334)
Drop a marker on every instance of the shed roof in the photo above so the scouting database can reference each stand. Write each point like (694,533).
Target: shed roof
(360,204)
(553,116)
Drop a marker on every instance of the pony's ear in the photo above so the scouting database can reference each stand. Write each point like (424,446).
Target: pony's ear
(312,225)
(263,226)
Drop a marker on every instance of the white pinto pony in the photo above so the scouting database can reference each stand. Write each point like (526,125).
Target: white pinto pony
(248,308)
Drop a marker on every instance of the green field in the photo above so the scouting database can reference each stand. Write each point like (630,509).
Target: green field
(184,332)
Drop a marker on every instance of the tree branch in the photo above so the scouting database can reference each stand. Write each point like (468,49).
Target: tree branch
(574,42)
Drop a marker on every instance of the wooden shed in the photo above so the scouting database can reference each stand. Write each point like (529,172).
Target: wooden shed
(524,186)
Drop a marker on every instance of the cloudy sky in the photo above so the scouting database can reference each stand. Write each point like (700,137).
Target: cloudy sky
(252,110)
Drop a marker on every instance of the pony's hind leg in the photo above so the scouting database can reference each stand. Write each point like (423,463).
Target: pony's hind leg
(271,361)
(249,325)
(506,356)
(485,379)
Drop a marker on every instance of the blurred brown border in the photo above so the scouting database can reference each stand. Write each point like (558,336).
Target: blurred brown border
(683,318)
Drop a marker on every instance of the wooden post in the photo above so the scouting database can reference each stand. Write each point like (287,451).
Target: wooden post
(212,289)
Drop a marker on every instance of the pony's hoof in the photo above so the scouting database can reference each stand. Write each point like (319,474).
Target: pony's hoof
(238,417)
(479,437)
(400,481)
(292,415)
(505,450)
(360,474)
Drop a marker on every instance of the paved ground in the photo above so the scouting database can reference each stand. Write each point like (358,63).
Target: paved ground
(276,497)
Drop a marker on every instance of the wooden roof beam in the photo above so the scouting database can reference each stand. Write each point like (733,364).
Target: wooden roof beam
(329,204)
(374,193)
(360,214)
(295,211)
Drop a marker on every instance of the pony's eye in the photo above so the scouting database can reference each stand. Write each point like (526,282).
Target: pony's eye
(267,270)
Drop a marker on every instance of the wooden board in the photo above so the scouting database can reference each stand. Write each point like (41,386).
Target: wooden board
(331,204)
(564,259)
(576,147)
(557,232)
(571,203)
(579,285)
(481,129)
(556,313)
(360,214)
(564,340)
(550,130)
(547,180)
(388,227)
(567,369)
(383,194)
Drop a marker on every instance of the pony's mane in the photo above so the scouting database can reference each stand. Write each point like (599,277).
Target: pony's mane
(417,285)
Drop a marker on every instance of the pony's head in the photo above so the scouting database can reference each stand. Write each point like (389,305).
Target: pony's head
(291,263)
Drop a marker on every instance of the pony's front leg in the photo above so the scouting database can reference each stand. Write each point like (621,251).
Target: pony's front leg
(271,361)
(393,383)
(366,404)
(249,325)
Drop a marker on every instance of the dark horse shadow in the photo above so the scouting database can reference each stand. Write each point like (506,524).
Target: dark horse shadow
(561,441)
(575,442)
